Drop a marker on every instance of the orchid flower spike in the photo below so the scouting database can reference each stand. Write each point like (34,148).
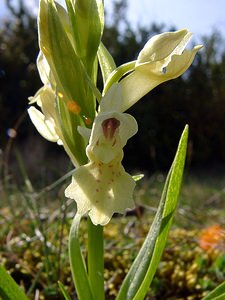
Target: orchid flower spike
(66,104)
(102,187)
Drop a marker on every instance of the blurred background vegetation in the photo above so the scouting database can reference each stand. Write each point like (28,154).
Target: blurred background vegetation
(35,217)
(197,98)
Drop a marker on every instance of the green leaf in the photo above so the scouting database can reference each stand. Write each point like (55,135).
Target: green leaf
(217,294)
(106,62)
(139,267)
(77,264)
(64,291)
(140,275)
(9,290)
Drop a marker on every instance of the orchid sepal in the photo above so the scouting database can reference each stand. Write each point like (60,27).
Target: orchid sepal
(45,121)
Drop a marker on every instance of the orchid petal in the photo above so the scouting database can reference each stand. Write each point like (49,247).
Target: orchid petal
(44,70)
(106,148)
(180,63)
(45,127)
(84,132)
(45,122)
(112,99)
(163,45)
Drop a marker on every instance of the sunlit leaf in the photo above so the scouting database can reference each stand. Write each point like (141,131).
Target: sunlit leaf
(9,290)
(140,275)
(217,294)
(64,291)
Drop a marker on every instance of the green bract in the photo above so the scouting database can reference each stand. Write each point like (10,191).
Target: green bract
(87,20)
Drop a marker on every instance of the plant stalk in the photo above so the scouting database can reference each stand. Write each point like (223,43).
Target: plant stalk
(96,260)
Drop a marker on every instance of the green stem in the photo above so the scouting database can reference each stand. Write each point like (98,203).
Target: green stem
(96,260)
(77,264)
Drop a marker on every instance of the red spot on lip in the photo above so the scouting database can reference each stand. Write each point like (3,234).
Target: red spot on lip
(109,127)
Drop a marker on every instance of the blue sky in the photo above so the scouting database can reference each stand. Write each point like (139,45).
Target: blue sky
(199,16)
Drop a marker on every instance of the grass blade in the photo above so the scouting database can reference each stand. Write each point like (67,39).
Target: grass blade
(64,291)
(217,294)
(9,290)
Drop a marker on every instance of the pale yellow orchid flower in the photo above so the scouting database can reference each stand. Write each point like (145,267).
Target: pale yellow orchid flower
(163,58)
(45,120)
(102,187)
